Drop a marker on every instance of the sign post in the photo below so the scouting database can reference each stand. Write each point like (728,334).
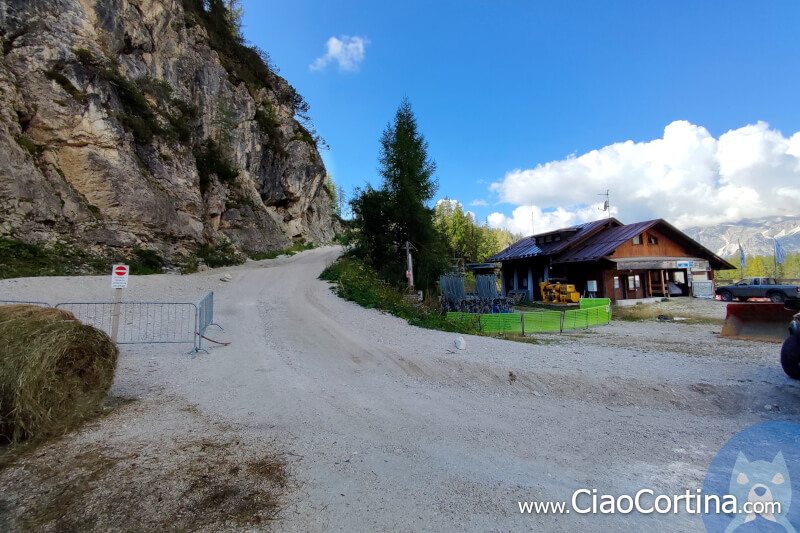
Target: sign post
(119,281)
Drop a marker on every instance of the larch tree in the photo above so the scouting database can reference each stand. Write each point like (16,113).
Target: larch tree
(399,211)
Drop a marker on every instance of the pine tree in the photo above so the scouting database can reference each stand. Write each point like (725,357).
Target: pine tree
(399,211)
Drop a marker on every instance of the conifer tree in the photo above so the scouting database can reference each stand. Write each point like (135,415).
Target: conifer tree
(399,211)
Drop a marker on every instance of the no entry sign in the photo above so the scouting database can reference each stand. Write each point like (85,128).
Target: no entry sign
(119,276)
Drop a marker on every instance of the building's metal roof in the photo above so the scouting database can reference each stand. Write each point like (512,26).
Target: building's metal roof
(527,247)
(594,241)
(605,242)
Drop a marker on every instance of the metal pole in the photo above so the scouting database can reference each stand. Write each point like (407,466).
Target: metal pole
(115,314)
(408,246)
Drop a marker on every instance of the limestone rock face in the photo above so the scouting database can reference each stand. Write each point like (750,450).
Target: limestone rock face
(122,126)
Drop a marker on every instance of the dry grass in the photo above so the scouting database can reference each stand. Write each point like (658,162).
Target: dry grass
(202,485)
(54,371)
(652,311)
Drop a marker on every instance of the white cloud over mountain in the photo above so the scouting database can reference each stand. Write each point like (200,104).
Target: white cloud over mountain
(348,52)
(687,177)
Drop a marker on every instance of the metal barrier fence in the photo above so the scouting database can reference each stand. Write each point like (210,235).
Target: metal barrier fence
(145,322)
(140,322)
(206,314)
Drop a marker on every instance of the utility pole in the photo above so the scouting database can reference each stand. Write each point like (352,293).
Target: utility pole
(409,267)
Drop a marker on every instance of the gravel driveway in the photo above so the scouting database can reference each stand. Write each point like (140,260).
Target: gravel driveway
(388,427)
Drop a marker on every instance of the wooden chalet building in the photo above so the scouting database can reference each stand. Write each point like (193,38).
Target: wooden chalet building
(626,261)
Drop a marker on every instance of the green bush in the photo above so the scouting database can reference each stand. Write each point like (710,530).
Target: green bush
(269,124)
(360,283)
(65,84)
(211,161)
(85,57)
(137,116)
(243,63)
(219,256)
(183,122)
(147,262)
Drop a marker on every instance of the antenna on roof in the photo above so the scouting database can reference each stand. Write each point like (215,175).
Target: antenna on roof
(606,204)
(532,226)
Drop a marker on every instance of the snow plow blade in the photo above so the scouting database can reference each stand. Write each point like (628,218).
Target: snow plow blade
(757,321)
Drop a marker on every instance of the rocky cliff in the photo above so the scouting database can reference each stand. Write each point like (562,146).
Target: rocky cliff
(148,124)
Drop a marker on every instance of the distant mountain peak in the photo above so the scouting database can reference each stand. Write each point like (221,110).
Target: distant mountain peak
(755,234)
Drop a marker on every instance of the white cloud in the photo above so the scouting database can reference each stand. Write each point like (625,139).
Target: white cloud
(347,51)
(687,177)
(479,202)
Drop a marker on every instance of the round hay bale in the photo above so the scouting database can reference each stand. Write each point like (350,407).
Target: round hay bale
(33,311)
(54,371)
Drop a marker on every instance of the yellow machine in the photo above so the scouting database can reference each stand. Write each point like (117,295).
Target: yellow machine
(559,293)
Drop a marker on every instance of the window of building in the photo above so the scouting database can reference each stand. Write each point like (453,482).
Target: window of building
(651,239)
(557,238)
(616,282)
(633,282)
(549,238)
(637,239)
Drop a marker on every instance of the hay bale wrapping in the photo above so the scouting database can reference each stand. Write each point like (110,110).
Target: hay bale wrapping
(54,371)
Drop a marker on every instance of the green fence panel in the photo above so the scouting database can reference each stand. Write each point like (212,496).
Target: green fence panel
(533,322)
(501,323)
(600,315)
(576,319)
(587,303)
(583,318)
(541,321)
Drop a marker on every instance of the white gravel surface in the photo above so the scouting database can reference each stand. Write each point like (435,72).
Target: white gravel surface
(389,427)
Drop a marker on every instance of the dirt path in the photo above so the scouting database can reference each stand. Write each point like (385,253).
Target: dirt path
(389,427)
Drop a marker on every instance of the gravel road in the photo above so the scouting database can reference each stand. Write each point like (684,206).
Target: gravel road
(388,427)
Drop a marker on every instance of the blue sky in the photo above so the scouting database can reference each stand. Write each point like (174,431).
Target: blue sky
(684,110)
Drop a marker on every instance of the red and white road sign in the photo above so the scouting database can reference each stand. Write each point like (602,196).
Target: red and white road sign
(119,276)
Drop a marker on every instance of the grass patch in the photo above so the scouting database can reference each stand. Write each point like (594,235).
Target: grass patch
(25,142)
(19,259)
(219,256)
(205,484)
(360,283)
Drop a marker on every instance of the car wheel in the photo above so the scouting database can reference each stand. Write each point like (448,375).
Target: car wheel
(726,296)
(790,356)
(777,297)
(741,298)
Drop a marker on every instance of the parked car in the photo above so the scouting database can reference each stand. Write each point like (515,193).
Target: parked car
(758,288)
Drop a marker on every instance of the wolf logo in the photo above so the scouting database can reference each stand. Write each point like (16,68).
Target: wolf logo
(762,484)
